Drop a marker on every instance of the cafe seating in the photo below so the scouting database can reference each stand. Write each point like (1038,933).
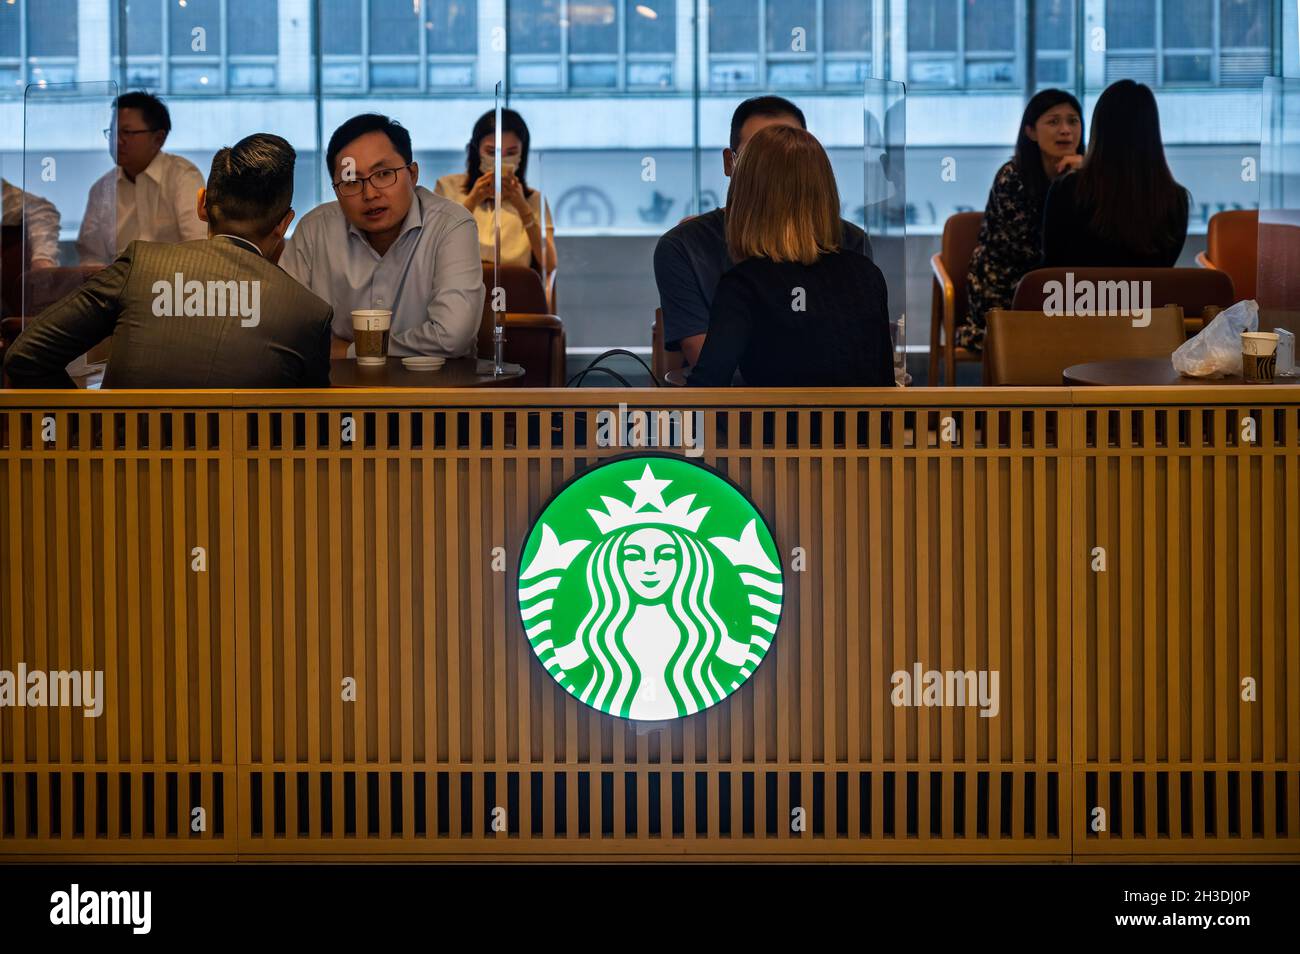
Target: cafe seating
(524,292)
(534,335)
(1232,246)
(534,341)
(948,304)
(1200,293)
(1033,349)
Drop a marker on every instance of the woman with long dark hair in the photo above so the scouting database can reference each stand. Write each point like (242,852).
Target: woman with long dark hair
(521,207)
(1050,144)
(1122,207)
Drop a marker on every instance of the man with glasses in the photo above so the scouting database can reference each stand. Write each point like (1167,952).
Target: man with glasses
(390,244)
(155,190)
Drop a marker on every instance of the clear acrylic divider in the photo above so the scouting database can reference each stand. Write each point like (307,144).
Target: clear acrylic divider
(537,182)
(498,309)
(884,212)
(69,188)
(1278,269)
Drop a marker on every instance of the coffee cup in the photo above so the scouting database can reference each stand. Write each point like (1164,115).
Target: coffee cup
(1258,356)
(370,333)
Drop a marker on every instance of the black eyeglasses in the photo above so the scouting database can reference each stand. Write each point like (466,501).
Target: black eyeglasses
(108,133)
(382,179)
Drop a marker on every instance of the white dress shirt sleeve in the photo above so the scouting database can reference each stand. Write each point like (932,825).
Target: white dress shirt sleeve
(41,220)
(184,199)
(456,301)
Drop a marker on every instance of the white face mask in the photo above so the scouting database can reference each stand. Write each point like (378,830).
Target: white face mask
(487,162)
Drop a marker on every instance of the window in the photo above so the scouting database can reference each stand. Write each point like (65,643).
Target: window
(38,43)
(789,44)
(1054,42)
(398,45)
(592,45)
(973,43)
(1192,43)
(203,46)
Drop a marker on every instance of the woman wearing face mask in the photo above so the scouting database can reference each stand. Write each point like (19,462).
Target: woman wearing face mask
(522,243)
(1049,145)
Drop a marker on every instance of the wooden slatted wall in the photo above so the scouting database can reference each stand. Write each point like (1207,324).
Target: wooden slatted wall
(371,561)
(1187,654)
(98,532)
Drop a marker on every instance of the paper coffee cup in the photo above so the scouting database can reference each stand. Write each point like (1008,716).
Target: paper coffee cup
(370,334)
(1258,356)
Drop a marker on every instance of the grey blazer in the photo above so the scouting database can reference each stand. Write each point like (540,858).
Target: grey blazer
(207,314)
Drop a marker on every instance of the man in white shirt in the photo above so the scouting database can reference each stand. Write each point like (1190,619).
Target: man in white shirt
(40,219)
(150,196)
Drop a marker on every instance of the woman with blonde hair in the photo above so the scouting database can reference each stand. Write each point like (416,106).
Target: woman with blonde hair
(796,310)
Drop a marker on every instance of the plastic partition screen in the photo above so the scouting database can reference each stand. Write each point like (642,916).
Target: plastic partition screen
(1278,278)
(884,199)
(71,140)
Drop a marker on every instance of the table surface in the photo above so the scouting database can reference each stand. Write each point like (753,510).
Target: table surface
(456,373)
(1145,372)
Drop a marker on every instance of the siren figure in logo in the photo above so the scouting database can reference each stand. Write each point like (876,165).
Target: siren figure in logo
(647,641)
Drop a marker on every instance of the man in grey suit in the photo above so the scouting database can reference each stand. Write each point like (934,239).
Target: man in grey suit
(215,313)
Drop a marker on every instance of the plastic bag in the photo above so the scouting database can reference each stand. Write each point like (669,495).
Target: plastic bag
(1216,351)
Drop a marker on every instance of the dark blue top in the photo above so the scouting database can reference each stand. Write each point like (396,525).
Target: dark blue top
(690,259)
(790,325)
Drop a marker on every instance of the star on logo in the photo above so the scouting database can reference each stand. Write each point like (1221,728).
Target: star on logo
(648,490)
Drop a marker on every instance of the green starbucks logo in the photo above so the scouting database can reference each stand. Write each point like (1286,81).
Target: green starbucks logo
(650,588)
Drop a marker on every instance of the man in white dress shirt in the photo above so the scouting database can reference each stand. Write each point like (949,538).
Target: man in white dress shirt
(151,195)
(389,243)
(38,216)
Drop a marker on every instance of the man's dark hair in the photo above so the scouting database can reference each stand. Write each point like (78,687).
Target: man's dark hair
(151,108)
(251,184)
(358,126)
(762,106)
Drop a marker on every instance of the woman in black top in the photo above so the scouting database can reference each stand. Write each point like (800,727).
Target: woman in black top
(797,310)
(1123,207)
(1010,244)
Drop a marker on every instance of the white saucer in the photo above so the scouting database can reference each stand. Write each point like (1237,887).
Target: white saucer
(423,362)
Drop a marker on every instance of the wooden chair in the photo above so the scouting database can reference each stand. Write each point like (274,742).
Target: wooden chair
(535,341)
(525,294)
(661,359)
(1033,349)
(534,335)
(1232,246)
(1200,293)
(948,304)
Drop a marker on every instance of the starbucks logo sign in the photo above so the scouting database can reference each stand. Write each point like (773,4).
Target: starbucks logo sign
(650,588)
